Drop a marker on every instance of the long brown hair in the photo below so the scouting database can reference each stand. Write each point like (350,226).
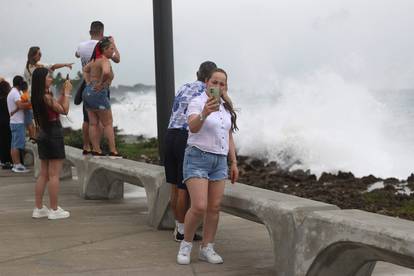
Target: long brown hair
(40,110)
(30,57)
(226,102)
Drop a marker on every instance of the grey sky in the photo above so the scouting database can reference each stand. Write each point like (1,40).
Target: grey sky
(256,41)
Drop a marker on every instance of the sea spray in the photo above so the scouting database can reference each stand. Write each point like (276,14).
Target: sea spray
(319,122)
(322,123)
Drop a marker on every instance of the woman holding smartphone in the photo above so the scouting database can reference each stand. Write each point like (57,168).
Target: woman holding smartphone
(51,148)
(212,121)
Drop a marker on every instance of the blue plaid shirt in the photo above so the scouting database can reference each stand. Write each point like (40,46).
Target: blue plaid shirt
(184,95)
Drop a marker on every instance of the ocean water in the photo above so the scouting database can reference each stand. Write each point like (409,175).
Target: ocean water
(319,122)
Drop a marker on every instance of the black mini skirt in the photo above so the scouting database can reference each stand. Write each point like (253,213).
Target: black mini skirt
(50,142)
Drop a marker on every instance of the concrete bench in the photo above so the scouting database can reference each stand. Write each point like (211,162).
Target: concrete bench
(312,238)
(104,178)
(309,238)
(349,242)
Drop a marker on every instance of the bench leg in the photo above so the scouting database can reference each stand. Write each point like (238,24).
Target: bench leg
(66,172)
(367,269)
(160,215)
(104,185)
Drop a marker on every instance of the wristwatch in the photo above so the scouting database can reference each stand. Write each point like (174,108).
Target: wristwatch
(201,117)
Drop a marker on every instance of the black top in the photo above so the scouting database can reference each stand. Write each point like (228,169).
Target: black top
(4,112)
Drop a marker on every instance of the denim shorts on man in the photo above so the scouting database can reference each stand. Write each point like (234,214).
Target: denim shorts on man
(28,117)
(202,164)
(18,135)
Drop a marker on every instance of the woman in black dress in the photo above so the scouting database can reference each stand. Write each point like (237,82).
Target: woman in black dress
(51,148)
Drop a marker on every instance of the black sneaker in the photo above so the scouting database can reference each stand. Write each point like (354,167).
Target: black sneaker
(178,237)
(197,237)
(7,166)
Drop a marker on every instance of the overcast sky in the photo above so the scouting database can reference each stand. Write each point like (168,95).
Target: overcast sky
(256,41)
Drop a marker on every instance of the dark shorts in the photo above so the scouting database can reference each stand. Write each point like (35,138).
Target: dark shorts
(85,114)
(50,142)
(175,144)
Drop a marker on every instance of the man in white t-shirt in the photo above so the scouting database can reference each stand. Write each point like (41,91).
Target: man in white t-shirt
(17,123)
(84,52)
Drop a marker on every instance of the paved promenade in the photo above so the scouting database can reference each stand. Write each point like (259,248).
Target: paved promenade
(112,238)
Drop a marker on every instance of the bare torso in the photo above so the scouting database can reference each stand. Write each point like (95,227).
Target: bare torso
(99,72)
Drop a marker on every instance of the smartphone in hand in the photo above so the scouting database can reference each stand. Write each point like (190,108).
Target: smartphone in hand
(215,92)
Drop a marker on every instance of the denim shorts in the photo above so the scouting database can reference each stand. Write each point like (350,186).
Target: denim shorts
(28,117)
(18,132)
(96,99)
(202,164)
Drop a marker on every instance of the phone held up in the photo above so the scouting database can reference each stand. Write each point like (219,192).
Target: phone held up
(215,92)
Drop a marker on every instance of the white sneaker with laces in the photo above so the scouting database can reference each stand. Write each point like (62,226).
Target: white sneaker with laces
(19,168)
(59,213)
(40,213)
(184,254)
(209,255)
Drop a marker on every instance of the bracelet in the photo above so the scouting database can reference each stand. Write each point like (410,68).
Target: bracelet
(201,117)
(67,95)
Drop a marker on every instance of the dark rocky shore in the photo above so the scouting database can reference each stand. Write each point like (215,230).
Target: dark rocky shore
(342,189)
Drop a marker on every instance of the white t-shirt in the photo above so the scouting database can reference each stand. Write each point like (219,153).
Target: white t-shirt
(28,73)
(214,134)
(85,50)
(12,98)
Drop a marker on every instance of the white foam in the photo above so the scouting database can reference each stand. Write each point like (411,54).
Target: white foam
(322,123)
(376,186)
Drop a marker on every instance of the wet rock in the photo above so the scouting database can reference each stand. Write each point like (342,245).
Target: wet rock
(345,175)
(391,180)
(410,179)
(370,179)
(302,175)
(256,164)
(327,177)
(389,188)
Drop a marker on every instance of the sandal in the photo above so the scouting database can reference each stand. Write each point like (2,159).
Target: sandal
(97,154)
(115,155)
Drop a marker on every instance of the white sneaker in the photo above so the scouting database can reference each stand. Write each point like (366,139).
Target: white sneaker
(184,254)
(209,255)
(40,213)
(19,168)
(59,213)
